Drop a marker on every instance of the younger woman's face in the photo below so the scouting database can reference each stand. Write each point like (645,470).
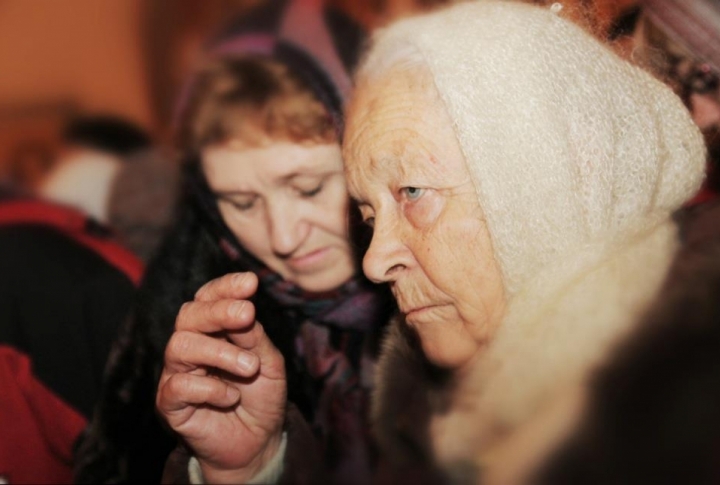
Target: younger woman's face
(287,204)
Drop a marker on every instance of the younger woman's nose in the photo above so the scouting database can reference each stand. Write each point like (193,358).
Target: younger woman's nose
(287,228)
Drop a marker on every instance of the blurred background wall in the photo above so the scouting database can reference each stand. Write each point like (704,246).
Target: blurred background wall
(62,58)
(59,58)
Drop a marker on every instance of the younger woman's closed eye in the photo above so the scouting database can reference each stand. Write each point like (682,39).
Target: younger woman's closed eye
(309,192)
(242,205)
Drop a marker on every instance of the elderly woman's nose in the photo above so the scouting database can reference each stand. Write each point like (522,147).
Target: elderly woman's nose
(384,258)
(287,228)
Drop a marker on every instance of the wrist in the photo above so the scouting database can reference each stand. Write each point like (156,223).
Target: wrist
(245,474)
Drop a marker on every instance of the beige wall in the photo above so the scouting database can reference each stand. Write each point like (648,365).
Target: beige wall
(87,51)
(60,56)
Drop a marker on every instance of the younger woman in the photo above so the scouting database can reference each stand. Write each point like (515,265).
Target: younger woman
(259,132)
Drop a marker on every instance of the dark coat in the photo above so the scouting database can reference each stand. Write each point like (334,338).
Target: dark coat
(655,407)
(61,303)
(126,441)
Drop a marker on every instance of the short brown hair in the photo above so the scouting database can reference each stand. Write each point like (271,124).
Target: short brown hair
(249,99)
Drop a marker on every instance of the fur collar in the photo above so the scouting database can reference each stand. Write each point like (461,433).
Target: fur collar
(555,334)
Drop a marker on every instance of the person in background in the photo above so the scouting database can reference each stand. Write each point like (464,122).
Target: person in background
(258,129)
(679,42)
(142,199)
(67,282)
(65,286)
(94,149)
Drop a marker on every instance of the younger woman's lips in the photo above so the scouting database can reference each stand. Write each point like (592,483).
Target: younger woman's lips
(309,259)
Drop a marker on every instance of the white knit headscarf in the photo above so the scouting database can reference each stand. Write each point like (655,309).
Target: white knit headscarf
(578,159)
(567,143)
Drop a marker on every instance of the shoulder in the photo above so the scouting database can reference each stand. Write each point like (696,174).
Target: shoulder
(37,257)
(654,412)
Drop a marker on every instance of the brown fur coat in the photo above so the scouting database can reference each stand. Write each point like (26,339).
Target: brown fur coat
(652,407)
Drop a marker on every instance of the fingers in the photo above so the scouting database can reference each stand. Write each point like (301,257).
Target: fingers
(214,316)
(255,340)
(187,351)
(238,286)
(180,391)
(220,305)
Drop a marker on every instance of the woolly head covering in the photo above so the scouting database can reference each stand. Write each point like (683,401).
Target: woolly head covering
(318,43)
(568,145)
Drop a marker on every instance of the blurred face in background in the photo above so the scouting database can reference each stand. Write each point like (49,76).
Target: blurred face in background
(700,85)
(701,90)
(287,205)
(697,82)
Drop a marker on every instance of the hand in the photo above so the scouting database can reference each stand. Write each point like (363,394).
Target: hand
(223,385)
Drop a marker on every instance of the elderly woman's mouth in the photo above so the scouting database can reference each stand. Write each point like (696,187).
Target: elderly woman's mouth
(417,312)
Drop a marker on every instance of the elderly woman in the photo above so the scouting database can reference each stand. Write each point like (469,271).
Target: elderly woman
(520,179)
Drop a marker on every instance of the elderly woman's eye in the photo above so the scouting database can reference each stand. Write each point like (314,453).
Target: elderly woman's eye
(412,193)
(370,221)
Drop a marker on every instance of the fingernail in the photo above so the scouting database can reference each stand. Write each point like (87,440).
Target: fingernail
(238,279)
(232,394)
(246,362)
(236,309)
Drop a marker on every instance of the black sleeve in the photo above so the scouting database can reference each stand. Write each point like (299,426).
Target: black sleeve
(126,441)
(62,305)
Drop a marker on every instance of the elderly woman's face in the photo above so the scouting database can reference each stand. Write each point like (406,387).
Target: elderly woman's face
(430,242)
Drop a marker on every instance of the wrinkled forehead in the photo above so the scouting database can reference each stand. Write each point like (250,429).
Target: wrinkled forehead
(386,119)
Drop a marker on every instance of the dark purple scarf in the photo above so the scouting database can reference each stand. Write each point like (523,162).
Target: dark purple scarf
(356,305)
(335,342)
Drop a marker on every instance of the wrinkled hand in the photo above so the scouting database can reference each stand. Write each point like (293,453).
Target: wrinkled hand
(223,385)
